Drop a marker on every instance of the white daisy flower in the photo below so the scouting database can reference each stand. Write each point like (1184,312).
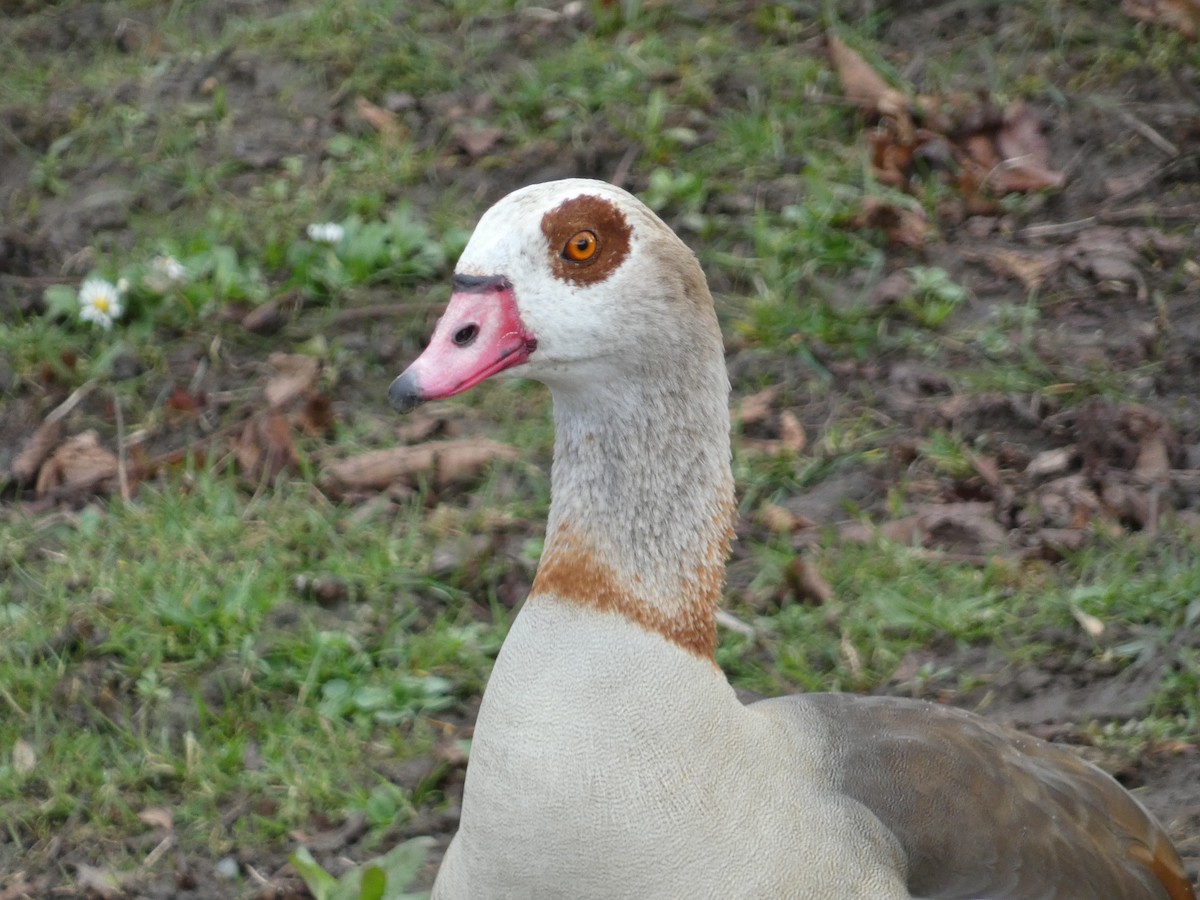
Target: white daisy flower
(169,269)
(325,232)
(100,302)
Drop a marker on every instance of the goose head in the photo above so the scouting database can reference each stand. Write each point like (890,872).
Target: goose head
(574,283)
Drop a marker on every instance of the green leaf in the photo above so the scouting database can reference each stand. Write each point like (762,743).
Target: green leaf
(321,883)
(373,882)
(403,862)
(61,299)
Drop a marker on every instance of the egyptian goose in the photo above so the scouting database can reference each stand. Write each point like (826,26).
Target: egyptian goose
(611,758)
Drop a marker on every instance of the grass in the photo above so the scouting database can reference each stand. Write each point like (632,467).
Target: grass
(150,646)
(165,653)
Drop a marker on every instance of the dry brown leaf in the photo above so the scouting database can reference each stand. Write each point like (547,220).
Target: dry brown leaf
(1182,15)
(477,140)
(903,227)
(38,445)
(1032,269)
(376,469)
(181,400)
(1139,504)
(265,446)
(892,289)
(862,85)
(447,461)
(969,525)
(157,817)
(81,459)
(315,417)
(806,582)
(419,426)
(757,407)
(382,120)
(891,159)
(292,374)
(25,890)
(270,316)
(1055,543)
(899,531)
(462,460)
(1025,153)
(986,467)
(791,432)
(1067,502)
(1153,458)
(777,518)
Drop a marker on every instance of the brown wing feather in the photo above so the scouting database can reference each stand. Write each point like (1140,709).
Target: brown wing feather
(982,811)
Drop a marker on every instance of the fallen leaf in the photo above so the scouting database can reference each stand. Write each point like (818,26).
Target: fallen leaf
(1050,462)
(1067,502)
(891,158)
(1032,269)
(986,467)
(270,316)
(182,400)
(476,140)
(1136,504)
(376,469)
(806,582)
(25,890)
(462,460)
(757,407)
(80,460)
(1089,623)
(316,417)
(103,883)
(157,817)
(902,226)
(265,446)
(1182,15)
(791,432)
(447,461)
(1024,153)
(892,289)
(969,526)
(37,446)
(382,120)
(862,85)
(24,758)
(292,374)
(899,531)
(1055,544)
(1153,459)
(777,518)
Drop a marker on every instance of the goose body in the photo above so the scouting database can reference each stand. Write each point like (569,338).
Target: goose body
(611,757)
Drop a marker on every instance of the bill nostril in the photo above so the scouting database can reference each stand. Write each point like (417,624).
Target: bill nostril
(466,335)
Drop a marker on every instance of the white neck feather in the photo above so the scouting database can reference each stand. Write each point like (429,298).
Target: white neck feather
(642,493)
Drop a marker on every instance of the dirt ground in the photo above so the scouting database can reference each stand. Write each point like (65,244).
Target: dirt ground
(1115,298)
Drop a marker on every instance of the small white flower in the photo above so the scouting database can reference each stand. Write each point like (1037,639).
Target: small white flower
(100,302)
(168,269)
(325,232)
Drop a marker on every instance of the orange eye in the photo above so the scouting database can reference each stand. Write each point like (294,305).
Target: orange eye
(581,247)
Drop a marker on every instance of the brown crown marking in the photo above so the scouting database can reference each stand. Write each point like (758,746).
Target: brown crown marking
(586,213)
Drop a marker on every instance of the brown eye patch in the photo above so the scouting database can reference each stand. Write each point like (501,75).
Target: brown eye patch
(591,225)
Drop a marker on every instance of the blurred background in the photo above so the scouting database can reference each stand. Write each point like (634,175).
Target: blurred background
(246,612)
